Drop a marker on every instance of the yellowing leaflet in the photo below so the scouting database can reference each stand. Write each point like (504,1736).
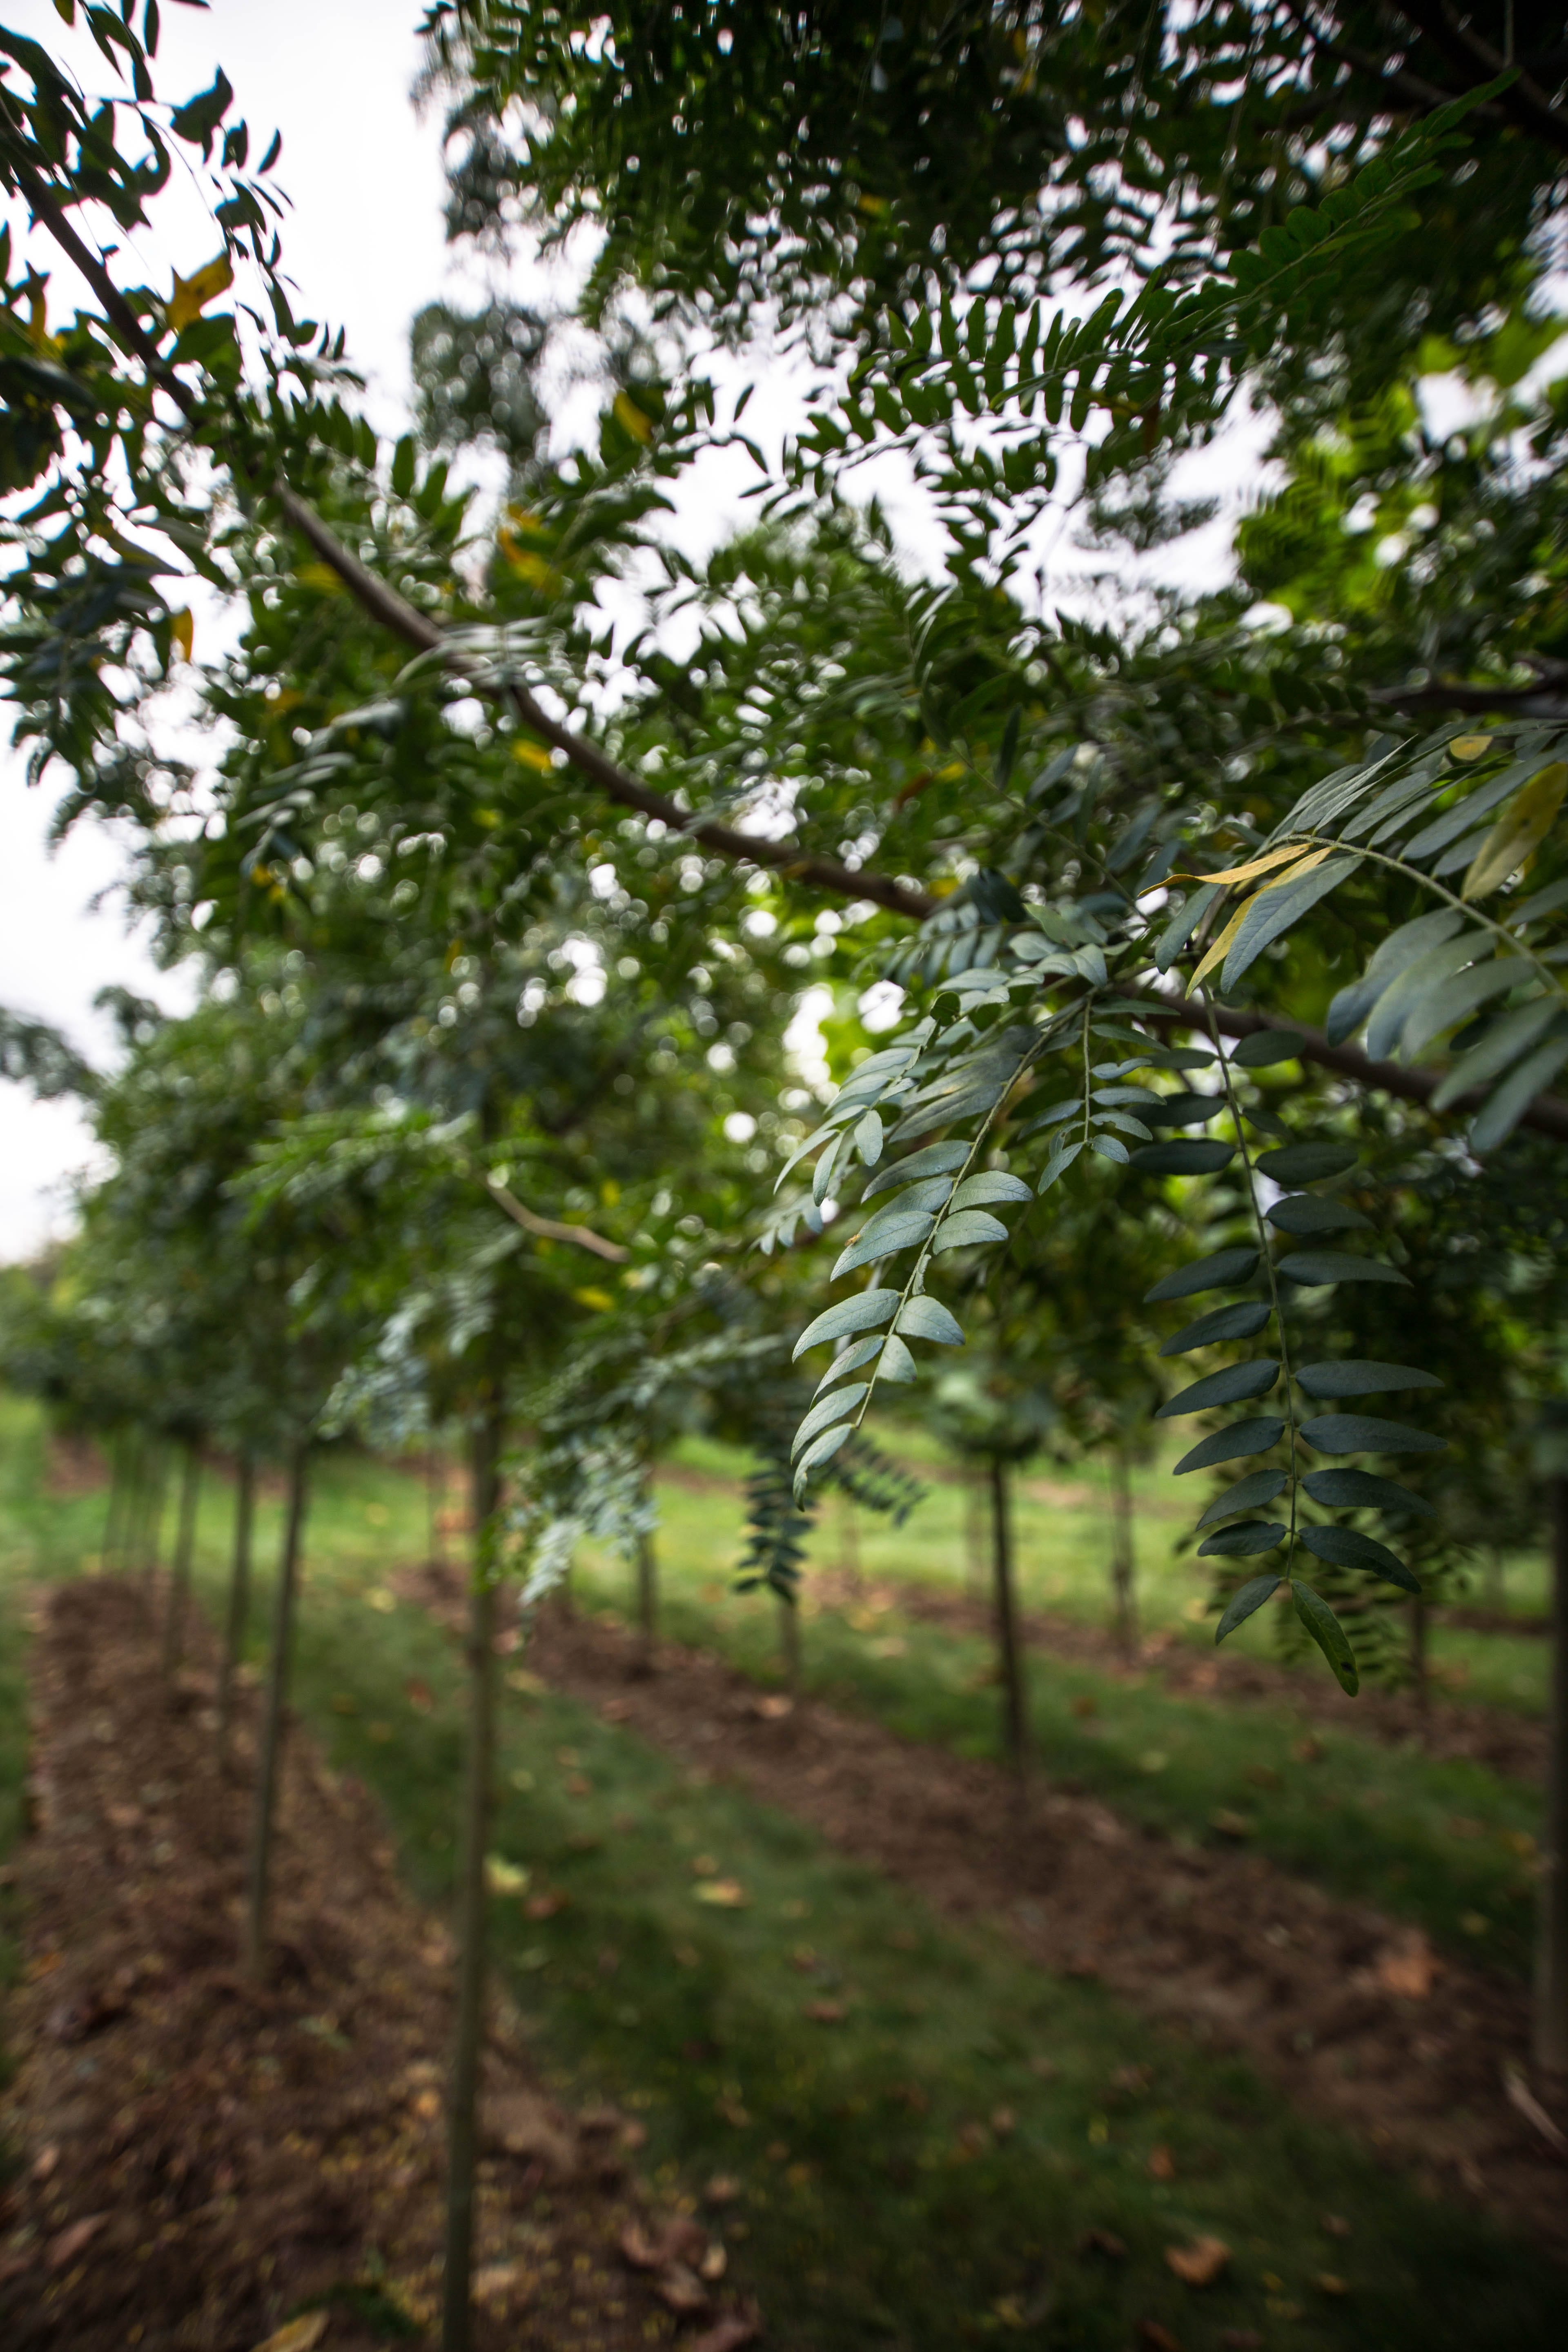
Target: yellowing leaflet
(1227,939)
(1245,873)
(1519,831)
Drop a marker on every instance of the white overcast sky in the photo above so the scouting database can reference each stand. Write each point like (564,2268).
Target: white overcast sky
(365,247)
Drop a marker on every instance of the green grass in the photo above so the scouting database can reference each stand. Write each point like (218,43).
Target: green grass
(882,2203)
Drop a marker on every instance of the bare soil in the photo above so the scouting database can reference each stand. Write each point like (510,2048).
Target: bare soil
(197,2161)
(1352,2014)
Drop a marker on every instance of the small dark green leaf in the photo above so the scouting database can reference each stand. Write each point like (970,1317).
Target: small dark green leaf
(830,1408)
(1356,1379)
(967,1230)
(1248,1494)
(1230,1445)
(980,1191)
(1306,1164)
(1242,1321)
(888,1230)
(1186,1157)
(936,1160)
(1240,1606)
(1240,1542)
(1345,1548)
(928,1319)
(1308,1212)
(1235,1383)
(1220,1270)
(1275,911)
(1358,1490)
(863,1312)
(1319,1266)
(1186,1111)
(1359,1432)
(821,1450)
(853,1359)
(1328,1633)
(1266,1047)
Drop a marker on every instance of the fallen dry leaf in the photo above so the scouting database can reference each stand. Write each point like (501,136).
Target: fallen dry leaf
(1102,2241)
(1199,2264)
(773,1707)
(1330,2282)
(521,2123)
(714,2263)
(826,2012)
(727,2334)
(1158,2338)
(1336,2225)
(301,2334)
(1228,1824)
(503,1878)
(1240,2339)
(682,2290)
(641,2251)
(64,2249)
(728,1894)
(1161,2164)
(722,2189)
(420,1694)
(1408,1967)
(545,1905)
(496,2282)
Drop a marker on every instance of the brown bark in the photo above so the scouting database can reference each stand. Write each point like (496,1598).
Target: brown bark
(238,1611)
(270,1762)
(462,2144)
(789,1643)
(1551,1917)
(180,1573)
(1123,1565)
(1004,1600)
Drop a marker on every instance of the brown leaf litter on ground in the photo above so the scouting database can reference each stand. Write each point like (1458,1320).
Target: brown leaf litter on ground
(204,2163)
(1349,2012)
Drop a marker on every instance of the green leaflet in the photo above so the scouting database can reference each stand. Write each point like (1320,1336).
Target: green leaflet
(888,1230)
(1351,1006)
(896,1363)
(851,1360)
(931,1193)
(1186,1109)
(1182,926)
(1273,912)
(1318,1267)
(1306,1163)
(936,1160)
(1358,1490)
(1264,1047)
(1219,1271)
(828,1409)
(1345,1548)
(1235,1383)
(862,1313)
(928,1319)
(1509,1036)
(1359,1432)
(1399,1000)
(1329,1635)
(1242,1541)
(1193,1158)
(1248,1494)
(1240,1606)
(968,1230)
(1230,1445)
(1460,997)
(1356,1378)
(978,1191)
(1517,1092)
(1307,1213)
(1109,1149)
(1242,1321)
(821,1450)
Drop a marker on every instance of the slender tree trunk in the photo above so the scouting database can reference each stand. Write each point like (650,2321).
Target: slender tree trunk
(1016,1721)
(975,1530)
(789,1642)
(153,1527)
(647,1599)
(1496,1591)
(118,1498)
(462,2147)
(434,1494)
(1124,1564)
(184,1546)
(239,1597)
(849,1545)
(1551,1928)
(1418,1674)
(270,1761)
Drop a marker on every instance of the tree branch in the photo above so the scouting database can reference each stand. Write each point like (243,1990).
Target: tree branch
(1529,105)
(547,1228)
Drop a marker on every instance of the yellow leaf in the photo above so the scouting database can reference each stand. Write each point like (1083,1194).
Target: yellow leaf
(1469,747)
(600,1300)
(1221,947)
(529,566)
(609,1192)
(1245,873)
(299,2336)
(639,426)
(503,1878)
(1519,831)
(322,577)
(533,755)
(191,295)
(726,1894)
(951,774)
(182,630)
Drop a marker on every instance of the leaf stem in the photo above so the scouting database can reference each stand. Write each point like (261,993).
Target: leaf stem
(1263,1242)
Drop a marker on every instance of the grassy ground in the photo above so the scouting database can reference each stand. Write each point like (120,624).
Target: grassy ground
(920,2172)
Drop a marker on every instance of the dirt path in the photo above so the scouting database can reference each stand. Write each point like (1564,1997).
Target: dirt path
(203,2160)
(1352,2014)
